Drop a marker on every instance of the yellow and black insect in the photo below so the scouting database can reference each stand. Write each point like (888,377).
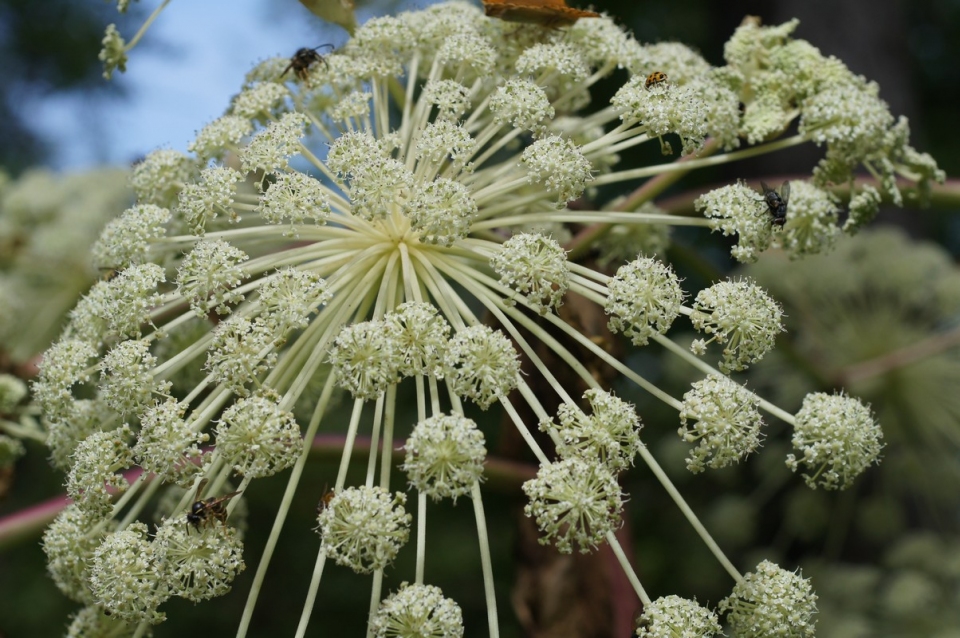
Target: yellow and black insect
(657,77)
(203,512)
(303,59)
(776,201)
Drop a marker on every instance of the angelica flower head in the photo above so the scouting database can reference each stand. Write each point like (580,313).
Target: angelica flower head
(198,563)
(370,220)
(97,460)
(127,578)
(675,617)
(721,417)
(739,315)
(644,298)
(69,543)
(611,435)
(838,438)
(771,603)
(445,456)
(417,610)
(573,501)
(363,528)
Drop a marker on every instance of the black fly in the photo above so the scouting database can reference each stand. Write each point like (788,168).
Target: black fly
(776,202)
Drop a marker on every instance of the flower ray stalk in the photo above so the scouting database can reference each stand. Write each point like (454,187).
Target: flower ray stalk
(283,510)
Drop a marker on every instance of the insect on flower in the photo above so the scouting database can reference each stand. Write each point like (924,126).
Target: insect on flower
(655,78)
(303,59)
(325,500)
(202,512)
(551,14)
(776,202)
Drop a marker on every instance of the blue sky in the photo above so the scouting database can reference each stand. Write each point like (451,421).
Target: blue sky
(199,54)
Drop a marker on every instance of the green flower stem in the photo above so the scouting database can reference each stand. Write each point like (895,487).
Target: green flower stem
(471,280)
(517,203)
(386,452)
(657,185)
(658,169)
(688,514)
(586,239)
(375,441)
(125,498)
(524,432)
(406,129)
(486,564)
(701,365)
(623,131)
(348,443)
(278,521)
(146,25)
(421,535)
(145,495)
(311,594)
(497,189)
(581,87)
(211,405)
(485,136)
(598,217)
(627,567)
(141,629)
(430,277)
(375,588)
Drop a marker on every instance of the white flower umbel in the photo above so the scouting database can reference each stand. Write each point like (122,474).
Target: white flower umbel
(167,445)
(740,316)
(368,219)
(417,611)
(675,617)
(644,298)
(536,268)
(258,437)
(574,501)
(199,563)
(771,603)
(363,528)
(445,456)
(69,544)
(127,579)
(838,438)
(724,423)
(610,436)
(96,462)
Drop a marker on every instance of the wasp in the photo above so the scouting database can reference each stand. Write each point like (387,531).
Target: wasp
(303,59)
(776,202)
(657,77)
(202,512)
